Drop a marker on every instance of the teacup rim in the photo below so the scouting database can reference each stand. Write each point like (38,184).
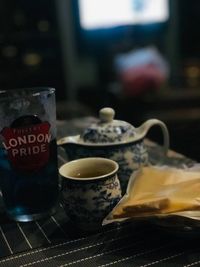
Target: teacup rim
(100,177)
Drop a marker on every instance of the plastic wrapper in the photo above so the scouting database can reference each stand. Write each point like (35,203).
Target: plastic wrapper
(160,192)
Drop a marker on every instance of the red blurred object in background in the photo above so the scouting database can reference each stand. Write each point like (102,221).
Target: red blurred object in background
(139,80)
(141,71)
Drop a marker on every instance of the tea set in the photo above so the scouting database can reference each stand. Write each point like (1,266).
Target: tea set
(107,139)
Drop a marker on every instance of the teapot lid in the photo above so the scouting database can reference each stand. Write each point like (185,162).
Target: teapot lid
(107,130)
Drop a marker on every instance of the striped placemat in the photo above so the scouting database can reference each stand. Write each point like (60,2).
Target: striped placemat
(54,242)
(123,245)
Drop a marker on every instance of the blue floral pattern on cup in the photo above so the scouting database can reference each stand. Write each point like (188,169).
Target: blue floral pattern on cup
(87,203)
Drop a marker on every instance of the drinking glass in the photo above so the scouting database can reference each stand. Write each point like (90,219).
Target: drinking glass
(28,152)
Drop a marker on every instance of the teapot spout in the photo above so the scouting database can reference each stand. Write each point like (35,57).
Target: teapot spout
(145,127)
(69,144)
(68,140)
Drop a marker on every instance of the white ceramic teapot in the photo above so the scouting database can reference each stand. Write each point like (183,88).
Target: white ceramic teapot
(114,139)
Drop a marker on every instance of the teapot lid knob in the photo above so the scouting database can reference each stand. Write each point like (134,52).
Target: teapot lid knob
(106,114)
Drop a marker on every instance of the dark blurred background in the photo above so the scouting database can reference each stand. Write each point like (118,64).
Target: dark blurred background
(143,68)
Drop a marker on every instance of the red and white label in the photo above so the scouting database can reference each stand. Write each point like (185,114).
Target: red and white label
(27,147)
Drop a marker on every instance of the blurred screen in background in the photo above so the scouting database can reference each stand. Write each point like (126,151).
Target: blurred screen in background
(99,14)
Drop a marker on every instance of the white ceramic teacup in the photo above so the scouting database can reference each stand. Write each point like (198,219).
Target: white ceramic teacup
(90,190)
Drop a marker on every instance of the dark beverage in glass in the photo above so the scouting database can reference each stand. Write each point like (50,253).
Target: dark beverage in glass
(28,153)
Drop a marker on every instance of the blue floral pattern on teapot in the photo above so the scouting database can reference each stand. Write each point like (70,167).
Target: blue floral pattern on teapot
(129,158)
(114,139)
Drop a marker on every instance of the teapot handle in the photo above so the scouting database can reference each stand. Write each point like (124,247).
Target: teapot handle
(145,127)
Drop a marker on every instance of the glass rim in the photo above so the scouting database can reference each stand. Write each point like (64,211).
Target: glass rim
(26,91)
